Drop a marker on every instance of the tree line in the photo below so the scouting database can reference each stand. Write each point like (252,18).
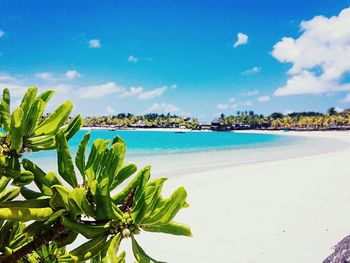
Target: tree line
(296,120)
(150,120)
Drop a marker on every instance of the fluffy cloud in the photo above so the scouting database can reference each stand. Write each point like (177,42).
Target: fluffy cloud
(133,59)
(99,90)
(152,93)
(242,39)
(44,75)
(94,43)
(163,108)
(16,89)
(263,98)
(252,70)
(72,74)
(319,57)
(2,33)
(230,104)
(134,91)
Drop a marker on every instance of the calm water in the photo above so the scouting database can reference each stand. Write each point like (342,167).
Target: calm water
(156,143)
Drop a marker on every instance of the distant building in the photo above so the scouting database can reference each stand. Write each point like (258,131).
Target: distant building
(139,124)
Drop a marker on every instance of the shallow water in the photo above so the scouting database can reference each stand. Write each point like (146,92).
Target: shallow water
(175,154)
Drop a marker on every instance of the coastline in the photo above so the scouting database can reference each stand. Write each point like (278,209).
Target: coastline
(287,210)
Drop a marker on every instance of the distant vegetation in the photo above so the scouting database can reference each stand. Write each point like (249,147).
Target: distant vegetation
(239,121)
(151,120)
(295,121)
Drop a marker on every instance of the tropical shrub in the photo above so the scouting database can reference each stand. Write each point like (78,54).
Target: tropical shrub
(43,212)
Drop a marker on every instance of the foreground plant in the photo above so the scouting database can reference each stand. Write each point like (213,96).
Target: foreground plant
(66,205)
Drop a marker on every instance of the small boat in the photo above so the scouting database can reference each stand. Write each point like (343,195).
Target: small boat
(179,132)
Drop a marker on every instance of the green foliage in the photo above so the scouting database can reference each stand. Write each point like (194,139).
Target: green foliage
(66,205)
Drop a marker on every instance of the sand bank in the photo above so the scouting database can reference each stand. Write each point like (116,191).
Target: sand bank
(284,210)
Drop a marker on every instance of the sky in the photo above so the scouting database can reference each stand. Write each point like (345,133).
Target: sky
(191,58)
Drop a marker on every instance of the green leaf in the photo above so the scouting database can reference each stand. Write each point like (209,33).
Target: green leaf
(140,254)
(5,110)
(60,197)
(4,181)
(167,210)
(172,228)
(16,129)
(78,203)
(65,162)
(124,173)
(73,127)
(55,119)
(88,250)
(39,176)
(142,205)
(34,116)
(25,178)
(46,95)
(28,99)
(30,194)
(113,248)
(96,155)
(115,159)
(158,183)
(24,214)
(52,179)
(9,194)
(104,209)
(80,157)
(138,183)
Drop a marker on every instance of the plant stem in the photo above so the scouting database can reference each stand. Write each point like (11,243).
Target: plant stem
(55,232)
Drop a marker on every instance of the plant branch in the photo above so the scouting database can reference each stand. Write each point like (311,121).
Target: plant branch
(55,232)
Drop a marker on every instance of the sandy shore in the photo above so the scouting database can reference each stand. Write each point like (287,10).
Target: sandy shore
(285,210)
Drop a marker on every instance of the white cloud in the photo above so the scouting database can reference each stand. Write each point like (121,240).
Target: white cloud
(110,110)
(223,106)
(163,108)
(339,110)
(16,90)
(2,33)
(320,57)
(241,40)
(5,77)
(133,59)
(286,112)
(250,93)
(134,91)
(152,93)
(44,75)
(72,74)
(264,98)
(230,104)
(94,43)
(99,90)
(347,98)
(253,70)
(246,103)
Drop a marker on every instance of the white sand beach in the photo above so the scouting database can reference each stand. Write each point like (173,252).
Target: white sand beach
(291,208)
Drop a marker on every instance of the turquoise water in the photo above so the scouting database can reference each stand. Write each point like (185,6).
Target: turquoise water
(158,143)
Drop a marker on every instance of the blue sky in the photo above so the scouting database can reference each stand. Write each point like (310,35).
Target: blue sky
(179,56)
